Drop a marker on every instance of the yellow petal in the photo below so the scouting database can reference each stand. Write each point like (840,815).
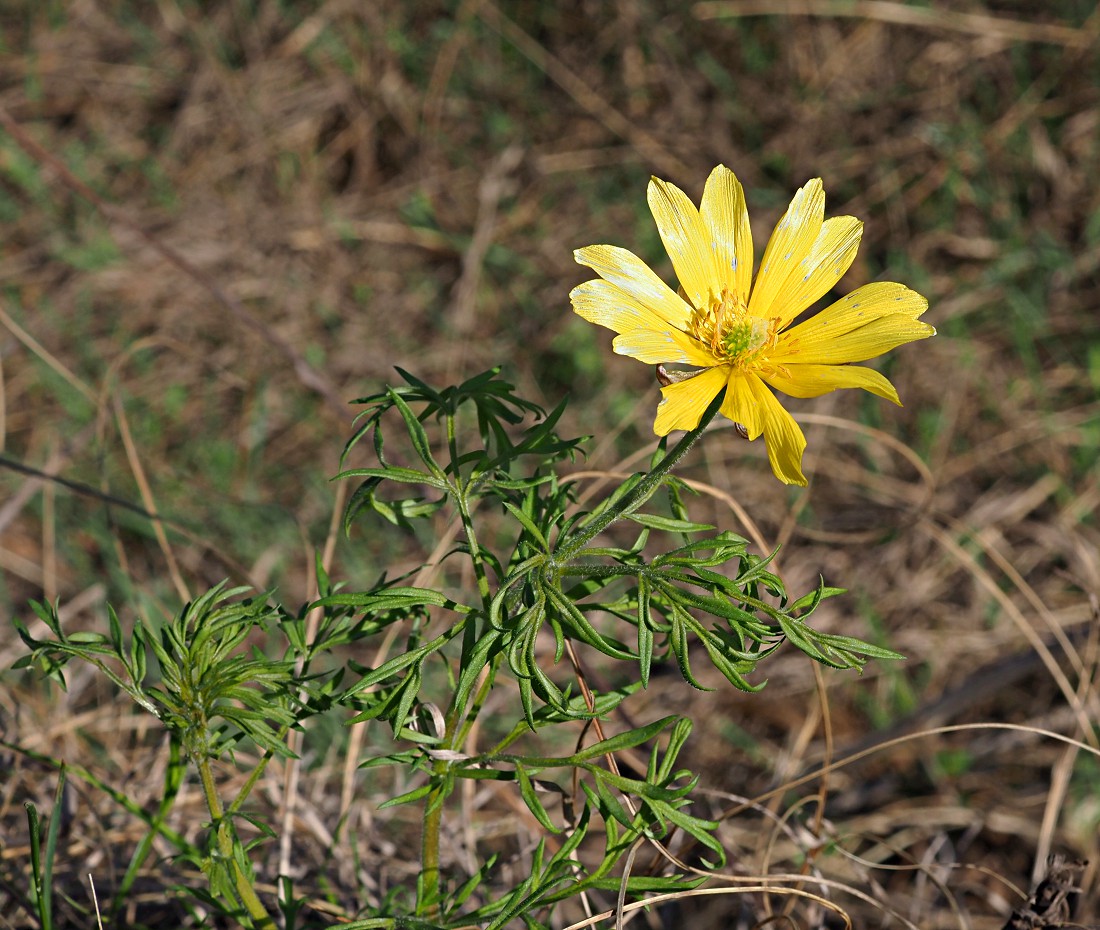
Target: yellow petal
(630,274)
(665,345)
(881,298)
(782,435)
(686,240)
(815,380)
(740,404)
(831,256)
(646,336)
(726,218)
(686,401)
(871,320)
(791,242)
(749,402)
(606,304)
(867,342)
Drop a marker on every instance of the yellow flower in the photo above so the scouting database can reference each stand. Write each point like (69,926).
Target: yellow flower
(737,333)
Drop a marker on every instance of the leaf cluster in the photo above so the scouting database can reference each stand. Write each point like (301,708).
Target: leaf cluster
(206,688)
(705,588)
(634,579)
(486,469)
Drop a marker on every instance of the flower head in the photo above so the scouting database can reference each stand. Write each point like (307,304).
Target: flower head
(736,332)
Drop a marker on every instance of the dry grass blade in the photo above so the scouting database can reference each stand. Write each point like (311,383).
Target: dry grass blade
(904,14)
(48,357)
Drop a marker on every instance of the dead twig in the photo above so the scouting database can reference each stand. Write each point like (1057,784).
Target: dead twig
(1048,905)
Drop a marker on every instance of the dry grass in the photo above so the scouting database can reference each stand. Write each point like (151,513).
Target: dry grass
(286,200)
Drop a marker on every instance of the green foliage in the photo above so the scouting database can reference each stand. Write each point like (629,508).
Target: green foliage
(553,576)
(635,580)
(207,692)
(42,860)
(676,583)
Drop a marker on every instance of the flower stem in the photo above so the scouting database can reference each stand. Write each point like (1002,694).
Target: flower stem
(462,503)
(427,891)
(428,883)
(641,492)
(245,892)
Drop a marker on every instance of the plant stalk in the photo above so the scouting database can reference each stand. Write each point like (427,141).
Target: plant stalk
(245,892)
(428,883)
(574,543)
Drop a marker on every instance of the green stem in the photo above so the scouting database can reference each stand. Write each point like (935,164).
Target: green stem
(428,884)
(245,892)
(460,489)
(427,891)
(475,551)
(642,491)
(479,700)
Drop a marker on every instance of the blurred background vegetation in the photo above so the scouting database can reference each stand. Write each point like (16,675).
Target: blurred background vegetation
(224,220)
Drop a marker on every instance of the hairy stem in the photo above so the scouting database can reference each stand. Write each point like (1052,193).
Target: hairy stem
(575,542)
(428,884)
(241,882)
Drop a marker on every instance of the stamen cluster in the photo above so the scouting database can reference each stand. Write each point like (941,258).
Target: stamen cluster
(727,329)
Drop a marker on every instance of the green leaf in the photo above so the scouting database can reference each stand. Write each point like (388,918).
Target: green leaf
(528,524)
(628,739)
(716,606)
(398,511)
(799,636)
(396,473)
(473,664)
(397,664)
(647,884)
(475,881)
(389,599)
(681,731)
(645,632)
(810,601)
(418,435)
(610,805)
(526,699)
(423,390)
(569,613)
(701,830)
(42,891)
(116,631)
(530,798)
(137,666)
(858,646)
(668,524)
(409,690)
(410,759)
(408,797)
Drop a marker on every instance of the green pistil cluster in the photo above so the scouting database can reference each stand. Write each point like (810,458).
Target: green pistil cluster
(744,339)
(731,334)
(738,339)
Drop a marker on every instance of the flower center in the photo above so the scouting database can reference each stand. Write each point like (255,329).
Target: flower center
(726,328)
